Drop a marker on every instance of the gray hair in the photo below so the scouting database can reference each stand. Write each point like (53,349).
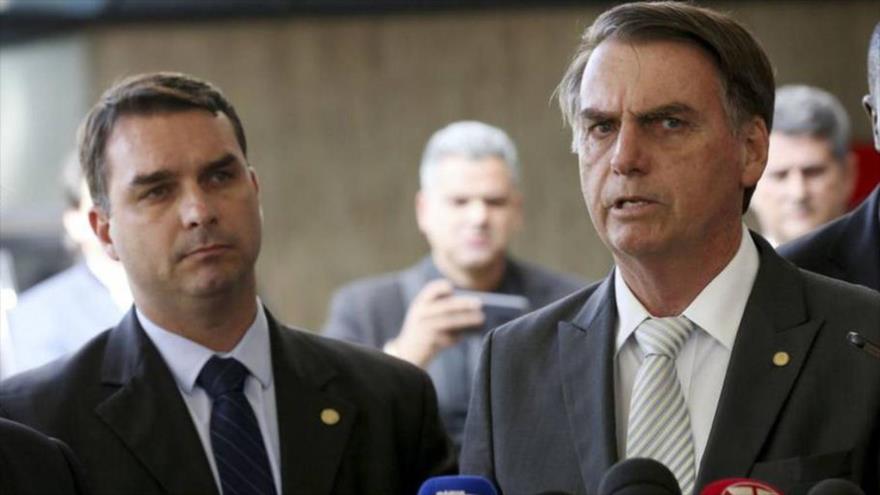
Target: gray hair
(808,111)
(874,60)
(471,139)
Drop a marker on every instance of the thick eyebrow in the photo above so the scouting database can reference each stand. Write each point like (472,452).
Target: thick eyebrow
(667,111)
(151,178)
(594,115)
(160,176)
(220,163)
(675,108)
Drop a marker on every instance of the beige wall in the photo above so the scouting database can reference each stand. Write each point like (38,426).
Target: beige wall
(337,110)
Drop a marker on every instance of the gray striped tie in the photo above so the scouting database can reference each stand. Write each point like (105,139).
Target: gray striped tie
(659,424)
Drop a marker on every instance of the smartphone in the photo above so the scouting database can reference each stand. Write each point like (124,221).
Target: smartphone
(498,308)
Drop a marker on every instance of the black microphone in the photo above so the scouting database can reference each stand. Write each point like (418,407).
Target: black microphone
(639,476)
(858,340)
(836,487)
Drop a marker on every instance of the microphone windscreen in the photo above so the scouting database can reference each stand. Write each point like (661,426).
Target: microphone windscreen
(639,476)
(737,486)
(836,487)
(457,485)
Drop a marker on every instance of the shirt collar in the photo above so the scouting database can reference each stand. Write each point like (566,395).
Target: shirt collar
(717,309)
(186,358)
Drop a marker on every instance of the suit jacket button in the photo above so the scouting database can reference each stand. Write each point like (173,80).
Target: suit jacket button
(781,358)
(329,416)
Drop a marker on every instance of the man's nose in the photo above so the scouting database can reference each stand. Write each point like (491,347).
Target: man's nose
(477,211)
(796,185)
(196,209)
(628,156)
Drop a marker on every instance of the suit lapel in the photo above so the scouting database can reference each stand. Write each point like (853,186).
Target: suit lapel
(586,354)
(313,425)
(775,320)
(855,253)
(148,414)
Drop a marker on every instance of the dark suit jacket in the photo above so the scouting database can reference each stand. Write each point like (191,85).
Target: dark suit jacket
(32,463)
(117,405)
(371,311)
(847,248)
(543,417)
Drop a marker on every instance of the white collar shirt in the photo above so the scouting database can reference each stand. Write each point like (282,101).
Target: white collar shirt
(186,358)
(702,362)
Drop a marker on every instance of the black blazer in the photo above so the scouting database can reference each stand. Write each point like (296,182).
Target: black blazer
(117,405)
(847,248)
(543,418)
(32,463)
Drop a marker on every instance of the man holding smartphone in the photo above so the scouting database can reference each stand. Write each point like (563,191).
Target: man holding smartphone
(435,313)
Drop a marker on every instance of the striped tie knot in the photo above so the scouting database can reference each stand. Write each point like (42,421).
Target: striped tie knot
(221,376)
(663,336)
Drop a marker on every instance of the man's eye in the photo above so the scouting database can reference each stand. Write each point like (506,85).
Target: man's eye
(601,128)
(220,176)
(157,192)
(672,123)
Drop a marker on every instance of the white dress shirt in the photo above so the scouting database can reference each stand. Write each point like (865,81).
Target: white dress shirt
(186,358)
(702,362)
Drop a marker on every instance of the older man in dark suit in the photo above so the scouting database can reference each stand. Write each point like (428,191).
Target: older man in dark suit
(469,207)
(849,247)
(703,349)
(198,389)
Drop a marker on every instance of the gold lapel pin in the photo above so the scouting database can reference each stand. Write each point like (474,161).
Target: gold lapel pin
(781,358)
(329,416)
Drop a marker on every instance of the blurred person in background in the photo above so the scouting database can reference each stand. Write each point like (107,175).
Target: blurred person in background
(60,314)
(811,172)
(469,208)
(849,248)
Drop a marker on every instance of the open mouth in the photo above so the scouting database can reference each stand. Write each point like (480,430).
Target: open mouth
(630,202)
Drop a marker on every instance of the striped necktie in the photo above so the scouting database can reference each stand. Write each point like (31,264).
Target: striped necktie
(241,457)
(659,423)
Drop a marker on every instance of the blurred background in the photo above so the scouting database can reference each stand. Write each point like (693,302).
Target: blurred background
(338,99)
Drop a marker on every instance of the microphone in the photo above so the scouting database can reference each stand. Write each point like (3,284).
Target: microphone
(639,476)
(457,485)
(859,341)
(739,486)
(836,486)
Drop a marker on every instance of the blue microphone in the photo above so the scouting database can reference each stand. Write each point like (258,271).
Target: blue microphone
(457,485)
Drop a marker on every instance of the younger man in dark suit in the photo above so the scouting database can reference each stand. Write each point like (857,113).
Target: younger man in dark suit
(849,247)
(703,349)
(469,207)
(198,389)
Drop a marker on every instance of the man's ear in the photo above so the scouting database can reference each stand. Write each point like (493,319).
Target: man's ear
(756,140)
(100,223)
(421,207)
(253,176)
(874,115)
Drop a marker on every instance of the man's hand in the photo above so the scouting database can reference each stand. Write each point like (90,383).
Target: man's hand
(434,321)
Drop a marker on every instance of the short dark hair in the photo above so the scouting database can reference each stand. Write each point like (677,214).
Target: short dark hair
(743,68)
(144,94)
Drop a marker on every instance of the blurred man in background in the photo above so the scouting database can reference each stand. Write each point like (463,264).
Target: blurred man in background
(469,208)
(849,248)
(811,171)
(60,314)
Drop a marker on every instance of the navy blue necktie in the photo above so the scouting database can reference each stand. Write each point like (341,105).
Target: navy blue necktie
(235,435)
